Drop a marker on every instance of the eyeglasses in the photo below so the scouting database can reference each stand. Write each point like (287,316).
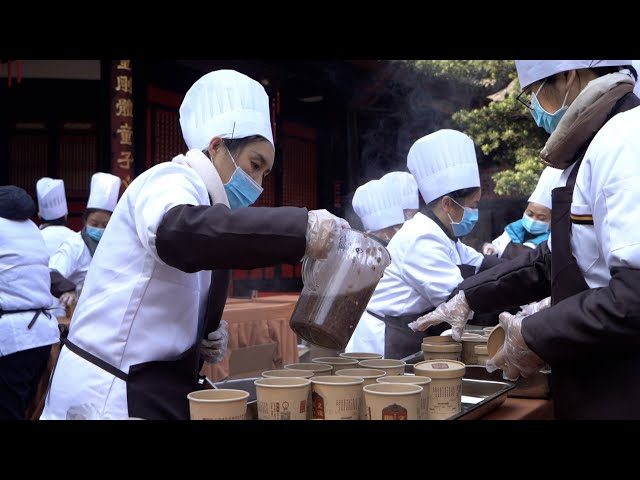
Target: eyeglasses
(525,98)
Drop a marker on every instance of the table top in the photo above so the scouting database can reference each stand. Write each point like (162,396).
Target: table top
(515,408)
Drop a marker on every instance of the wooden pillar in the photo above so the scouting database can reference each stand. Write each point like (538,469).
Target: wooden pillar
(121,106)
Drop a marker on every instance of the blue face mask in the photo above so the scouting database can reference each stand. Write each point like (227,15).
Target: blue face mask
(469,220)
(544,119)
(242,190)
(95,233)
(534,227)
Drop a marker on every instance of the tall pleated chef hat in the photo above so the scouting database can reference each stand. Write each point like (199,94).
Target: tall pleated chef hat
(378,205)
(105,189)
(443,162)
(406,186)
(530,71)
(52,199)
(224,103)
(549,179)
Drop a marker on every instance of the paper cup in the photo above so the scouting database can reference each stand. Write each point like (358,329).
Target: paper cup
(392,401)
(391,366)
(424,382)
(445,392)
(286,373)
(360,355)
(369,375)
(338,363)
(221,404)
(282,398)
(432,351)
(336,397)
(316,368)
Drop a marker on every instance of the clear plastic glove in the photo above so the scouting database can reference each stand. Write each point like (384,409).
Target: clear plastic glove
(214,348)
(489,249)
(455,312)
(322,228)
(69,298)
(535,307)
(514,358)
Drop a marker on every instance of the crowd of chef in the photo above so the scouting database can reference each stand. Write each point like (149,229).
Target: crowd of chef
(148,274)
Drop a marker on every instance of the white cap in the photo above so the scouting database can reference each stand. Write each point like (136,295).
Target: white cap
(530,71)
(105,189)
(443,162)
(378,205)
(549,179)
(52,201)
(224,103)
(406,186)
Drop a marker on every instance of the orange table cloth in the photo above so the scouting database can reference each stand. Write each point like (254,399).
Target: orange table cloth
(256,322)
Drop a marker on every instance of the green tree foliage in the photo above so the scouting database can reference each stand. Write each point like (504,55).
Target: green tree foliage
(500,126)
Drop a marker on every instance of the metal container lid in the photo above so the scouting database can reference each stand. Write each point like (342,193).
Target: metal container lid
(440,369)
(442,347)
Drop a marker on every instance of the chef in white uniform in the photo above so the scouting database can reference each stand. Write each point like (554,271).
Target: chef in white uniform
(407,187)
(535,225)
(53,211)
(27,330)
(379,207)
(73,257)
(428,260)
(153,298)
(590,334)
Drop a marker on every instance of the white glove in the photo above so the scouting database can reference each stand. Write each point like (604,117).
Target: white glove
(214,348)
(455,312)
(534,307)
(514,358)
(489,249)
(69,298)
(322,228)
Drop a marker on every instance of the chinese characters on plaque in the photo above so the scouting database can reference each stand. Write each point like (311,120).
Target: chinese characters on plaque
(122,121)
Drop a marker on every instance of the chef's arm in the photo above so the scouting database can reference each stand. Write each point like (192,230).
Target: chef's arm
(193,238)
(598,321)
(60,284)
(519,281)
(490,261)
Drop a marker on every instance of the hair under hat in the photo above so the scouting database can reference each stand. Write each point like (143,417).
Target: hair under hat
(224,103)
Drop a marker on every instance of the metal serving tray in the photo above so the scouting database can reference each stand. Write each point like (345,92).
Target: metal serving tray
(478,396)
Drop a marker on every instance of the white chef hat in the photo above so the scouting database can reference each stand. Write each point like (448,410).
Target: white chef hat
(105,189)
(224,103)
(443,162)
(378,205)
(530,71)
(405,186)
(52,200)
(549,179)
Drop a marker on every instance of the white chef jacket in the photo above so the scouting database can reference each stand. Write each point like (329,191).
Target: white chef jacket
(422,274)
(72,260)
(608,188)
(54,236)
(153,309)
(24,284)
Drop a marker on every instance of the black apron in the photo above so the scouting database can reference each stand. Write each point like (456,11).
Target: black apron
(399,340)
(158,390)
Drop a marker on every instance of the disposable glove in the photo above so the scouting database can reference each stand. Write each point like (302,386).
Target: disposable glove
(455,312)
(515,358)
(489,249)
(322,229)
(214,347)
